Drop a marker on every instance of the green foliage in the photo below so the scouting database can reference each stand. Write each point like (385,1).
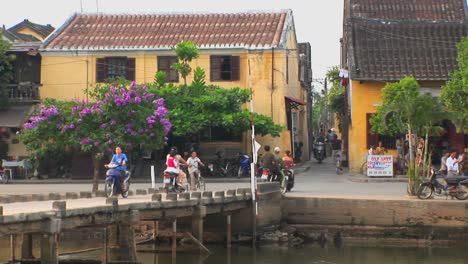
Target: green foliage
(160,78)
(405,110)
(455,91)
(336,99)
(319,106)
(6,73)
(206,106)
(400,106)
(185,51)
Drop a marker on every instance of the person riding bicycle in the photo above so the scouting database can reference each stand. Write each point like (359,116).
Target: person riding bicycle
(193,170)
(119,159)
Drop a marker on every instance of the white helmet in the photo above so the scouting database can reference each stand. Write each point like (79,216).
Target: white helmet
(277,150)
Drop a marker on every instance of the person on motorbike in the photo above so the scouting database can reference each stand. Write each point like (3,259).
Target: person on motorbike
(193,170)
(288,161)
(173,162)
(279,162)
(119,159)
(269,161)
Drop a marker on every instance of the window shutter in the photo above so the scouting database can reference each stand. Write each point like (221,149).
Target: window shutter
(215,68)
(163,64)
(130,69)
(173,74)
(235,68)
(101,70)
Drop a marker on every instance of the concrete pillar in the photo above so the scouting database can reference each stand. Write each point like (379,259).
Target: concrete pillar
(125,249)
(197,222)
(49,241)
(27,247)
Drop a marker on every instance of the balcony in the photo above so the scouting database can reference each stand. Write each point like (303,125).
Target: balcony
(23,92)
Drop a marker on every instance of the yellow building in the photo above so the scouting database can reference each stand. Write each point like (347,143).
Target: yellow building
(257,49)
(24,38)
(386,41)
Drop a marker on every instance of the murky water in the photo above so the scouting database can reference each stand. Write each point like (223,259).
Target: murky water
(307,254)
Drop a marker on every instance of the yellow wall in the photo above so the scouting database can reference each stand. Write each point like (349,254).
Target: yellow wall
(65,76)
(28,31)
(365,96)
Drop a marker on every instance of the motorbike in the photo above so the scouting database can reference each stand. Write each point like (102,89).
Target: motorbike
(454,186)
(223,168)
(171,184)
(244,166)
(289,173)
(319,151)
(270,177)
(112,176)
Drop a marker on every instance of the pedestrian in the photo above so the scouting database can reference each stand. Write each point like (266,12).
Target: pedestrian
(380,149)
(452,164)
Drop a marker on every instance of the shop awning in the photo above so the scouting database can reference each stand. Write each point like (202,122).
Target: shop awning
(292,102)
(16,115)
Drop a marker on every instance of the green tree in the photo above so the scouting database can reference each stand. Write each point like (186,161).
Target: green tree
(405,110)
(336,99)
(455,91)
(185,51)
(6,72)
(118,116)
(205,106)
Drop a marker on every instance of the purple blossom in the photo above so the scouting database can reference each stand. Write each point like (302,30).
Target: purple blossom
(112,89)
(113,123)
(72,126)
(152,135)
(104,125)
(96,143)
(133,85)
(108,135)
(137,100)
(159,102)
(79,121)
(85,112)
(86,141)
(110,141)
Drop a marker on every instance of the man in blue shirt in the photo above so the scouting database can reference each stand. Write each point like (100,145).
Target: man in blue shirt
(121,160)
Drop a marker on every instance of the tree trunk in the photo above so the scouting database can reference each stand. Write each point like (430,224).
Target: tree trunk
(411,165)
(426,143)
(96,164)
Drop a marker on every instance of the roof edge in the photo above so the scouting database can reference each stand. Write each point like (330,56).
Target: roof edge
(58,30)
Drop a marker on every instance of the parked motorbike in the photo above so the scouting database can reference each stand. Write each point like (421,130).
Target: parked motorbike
(112,176)
(271,177)
(454,186)
(223,168)
(244,166)
(319,151)
(289,173)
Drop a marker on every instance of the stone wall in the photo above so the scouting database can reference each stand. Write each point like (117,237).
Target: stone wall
(414,219)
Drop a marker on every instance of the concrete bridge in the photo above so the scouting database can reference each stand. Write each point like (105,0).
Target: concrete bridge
(117,218)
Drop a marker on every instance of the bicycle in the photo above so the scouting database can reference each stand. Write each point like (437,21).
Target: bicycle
(363,168)
(200,183)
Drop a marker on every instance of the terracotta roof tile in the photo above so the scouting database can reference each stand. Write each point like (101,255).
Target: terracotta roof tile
(84,31)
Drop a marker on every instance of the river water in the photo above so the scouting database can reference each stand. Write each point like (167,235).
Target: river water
(274,254)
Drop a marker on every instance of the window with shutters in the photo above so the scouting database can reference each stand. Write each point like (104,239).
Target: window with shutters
(224,68)
(114,67)
(164,65)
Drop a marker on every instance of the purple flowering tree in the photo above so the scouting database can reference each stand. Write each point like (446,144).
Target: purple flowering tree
(129,117)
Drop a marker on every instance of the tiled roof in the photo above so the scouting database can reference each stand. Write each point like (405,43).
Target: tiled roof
(408,40)
(43,30)
(392,51)
(162,31)
(419,10)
